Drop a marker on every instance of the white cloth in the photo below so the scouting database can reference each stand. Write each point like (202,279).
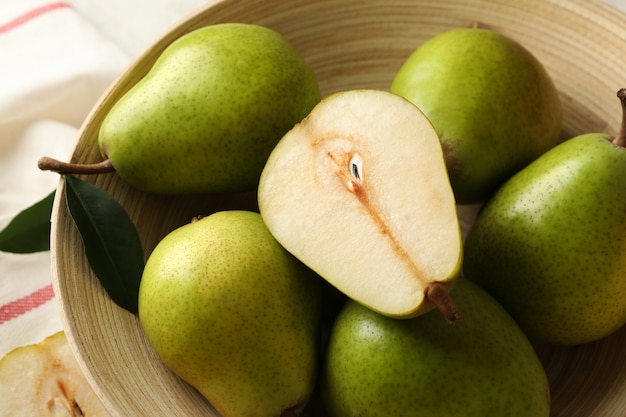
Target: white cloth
(55,66)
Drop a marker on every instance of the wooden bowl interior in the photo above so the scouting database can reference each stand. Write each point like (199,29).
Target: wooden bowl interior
(349,44)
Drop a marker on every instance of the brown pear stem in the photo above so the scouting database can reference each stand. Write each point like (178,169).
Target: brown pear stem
(439,294)
(620,139)
(54,165)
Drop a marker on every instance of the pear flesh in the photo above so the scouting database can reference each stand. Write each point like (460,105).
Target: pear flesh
(231,312)
(209,111)
(44,379)
(359,192)
(484,365)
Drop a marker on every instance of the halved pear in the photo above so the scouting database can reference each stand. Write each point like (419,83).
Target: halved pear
(44,379)
(359,192)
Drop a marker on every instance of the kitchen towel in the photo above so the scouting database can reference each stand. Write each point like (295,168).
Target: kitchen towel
(54,66)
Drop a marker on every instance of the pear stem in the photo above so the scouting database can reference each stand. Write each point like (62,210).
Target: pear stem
(54,165)
(620,139)
(439,294)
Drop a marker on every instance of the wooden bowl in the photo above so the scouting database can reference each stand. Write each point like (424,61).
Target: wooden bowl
(349,44)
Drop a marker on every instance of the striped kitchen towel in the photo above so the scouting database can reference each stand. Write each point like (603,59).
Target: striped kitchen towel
(53,68)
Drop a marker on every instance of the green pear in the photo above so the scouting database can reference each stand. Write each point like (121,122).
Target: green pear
(484,365)
(359,192)
(207,114)
(550,245)
(492,102)
(232,313)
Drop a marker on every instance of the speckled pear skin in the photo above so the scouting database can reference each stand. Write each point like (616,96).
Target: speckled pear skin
(210,110)
(482,365)
(551,244)
(492,102)
(231,312)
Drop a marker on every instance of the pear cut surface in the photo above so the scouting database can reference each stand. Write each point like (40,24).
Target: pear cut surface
(359,192)
(45,379)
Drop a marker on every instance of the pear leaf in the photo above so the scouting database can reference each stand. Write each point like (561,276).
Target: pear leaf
(29,230)
(111,241)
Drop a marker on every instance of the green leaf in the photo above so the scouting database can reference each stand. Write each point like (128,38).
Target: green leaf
(111,240)
(29,231)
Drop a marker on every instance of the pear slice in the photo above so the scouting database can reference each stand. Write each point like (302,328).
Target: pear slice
(44,379)
(359,192)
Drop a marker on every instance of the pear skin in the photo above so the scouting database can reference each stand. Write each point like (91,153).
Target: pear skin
(484,365)
(232,313)
(550,244)
(492,102)
(207,114)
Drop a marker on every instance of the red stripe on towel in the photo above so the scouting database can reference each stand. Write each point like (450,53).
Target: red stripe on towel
(25,304)
(31,14)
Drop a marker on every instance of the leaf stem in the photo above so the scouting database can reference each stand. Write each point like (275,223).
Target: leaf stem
(60,167)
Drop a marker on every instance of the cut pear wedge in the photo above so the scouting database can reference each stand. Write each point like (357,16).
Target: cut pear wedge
(43,380)
(359,192)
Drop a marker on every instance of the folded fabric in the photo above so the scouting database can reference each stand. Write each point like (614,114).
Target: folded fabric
(55,66)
